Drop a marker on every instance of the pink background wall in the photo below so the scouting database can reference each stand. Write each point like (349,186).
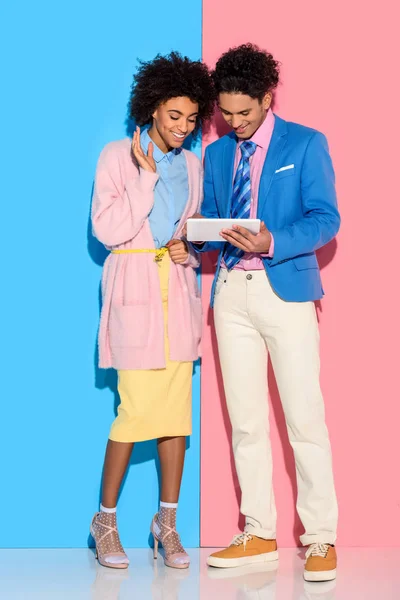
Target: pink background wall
(338,75)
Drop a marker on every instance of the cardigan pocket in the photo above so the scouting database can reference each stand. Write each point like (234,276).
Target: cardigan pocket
(129,326)
(197,317)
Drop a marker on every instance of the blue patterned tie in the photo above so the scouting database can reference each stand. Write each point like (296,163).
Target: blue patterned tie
(241,199)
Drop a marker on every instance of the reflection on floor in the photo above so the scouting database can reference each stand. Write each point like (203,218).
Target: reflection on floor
(363,574)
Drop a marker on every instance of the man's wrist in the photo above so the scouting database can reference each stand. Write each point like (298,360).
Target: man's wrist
(270,252)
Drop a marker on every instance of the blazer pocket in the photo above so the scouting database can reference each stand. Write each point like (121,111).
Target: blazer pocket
(129,326)
(284,174)
(306,261)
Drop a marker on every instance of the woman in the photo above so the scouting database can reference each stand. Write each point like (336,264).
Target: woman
(150,324)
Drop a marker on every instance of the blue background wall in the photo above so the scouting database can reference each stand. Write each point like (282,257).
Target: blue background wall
(67,75)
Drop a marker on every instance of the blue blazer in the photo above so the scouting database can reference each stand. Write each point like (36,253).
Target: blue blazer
(298,204)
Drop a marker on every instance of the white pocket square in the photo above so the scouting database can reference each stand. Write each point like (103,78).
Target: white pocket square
(284,168)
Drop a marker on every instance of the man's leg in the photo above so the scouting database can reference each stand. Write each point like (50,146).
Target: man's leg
(290,330)
(243,359)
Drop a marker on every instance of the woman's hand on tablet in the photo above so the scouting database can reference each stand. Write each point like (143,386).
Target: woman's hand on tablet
(184,230)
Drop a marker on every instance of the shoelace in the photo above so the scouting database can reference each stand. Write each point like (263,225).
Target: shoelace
(317,549)
(242,538)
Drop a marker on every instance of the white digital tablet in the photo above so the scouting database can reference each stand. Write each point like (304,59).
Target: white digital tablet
(208,230)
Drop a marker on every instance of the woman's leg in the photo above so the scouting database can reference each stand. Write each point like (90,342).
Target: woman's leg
(171,451)
(104,526)
(116,462)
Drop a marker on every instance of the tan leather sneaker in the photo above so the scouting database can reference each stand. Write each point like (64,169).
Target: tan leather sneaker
(321,563)
(245,549)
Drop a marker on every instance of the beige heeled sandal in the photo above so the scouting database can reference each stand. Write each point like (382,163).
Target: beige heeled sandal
(109,550)
(174,553)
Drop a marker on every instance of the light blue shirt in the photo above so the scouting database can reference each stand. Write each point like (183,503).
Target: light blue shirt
(170,193)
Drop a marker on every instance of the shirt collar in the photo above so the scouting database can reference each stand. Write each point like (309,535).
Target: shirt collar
(262,136)
(158,154)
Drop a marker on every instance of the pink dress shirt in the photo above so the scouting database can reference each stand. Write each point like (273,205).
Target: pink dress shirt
(262,137)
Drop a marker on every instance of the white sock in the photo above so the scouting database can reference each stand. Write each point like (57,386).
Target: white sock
(168,505)
(114,560)
(110,511)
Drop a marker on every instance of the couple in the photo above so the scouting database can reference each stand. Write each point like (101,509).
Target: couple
(263,295)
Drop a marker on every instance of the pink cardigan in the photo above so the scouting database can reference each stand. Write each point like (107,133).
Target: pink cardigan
(131,334)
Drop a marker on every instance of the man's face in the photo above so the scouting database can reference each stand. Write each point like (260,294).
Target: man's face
(243,113)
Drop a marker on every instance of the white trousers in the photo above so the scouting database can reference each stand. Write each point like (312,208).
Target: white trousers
(252,321)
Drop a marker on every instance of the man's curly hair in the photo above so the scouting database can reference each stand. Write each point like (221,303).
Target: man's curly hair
(246,70)
(171,76)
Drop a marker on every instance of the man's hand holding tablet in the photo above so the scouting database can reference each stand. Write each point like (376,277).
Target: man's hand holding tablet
(250,235)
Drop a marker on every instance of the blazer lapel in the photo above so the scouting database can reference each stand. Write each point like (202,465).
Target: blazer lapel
(278,142)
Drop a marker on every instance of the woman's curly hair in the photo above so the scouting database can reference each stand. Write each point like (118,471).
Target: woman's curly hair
(246,70)
(171,76)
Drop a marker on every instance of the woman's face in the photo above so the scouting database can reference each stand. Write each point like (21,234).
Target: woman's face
(173,122)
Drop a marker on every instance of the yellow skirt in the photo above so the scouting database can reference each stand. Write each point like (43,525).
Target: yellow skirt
(155,403)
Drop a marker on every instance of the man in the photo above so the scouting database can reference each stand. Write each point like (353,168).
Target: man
(263,295)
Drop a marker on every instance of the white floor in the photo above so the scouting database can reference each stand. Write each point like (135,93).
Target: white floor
(363,574)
